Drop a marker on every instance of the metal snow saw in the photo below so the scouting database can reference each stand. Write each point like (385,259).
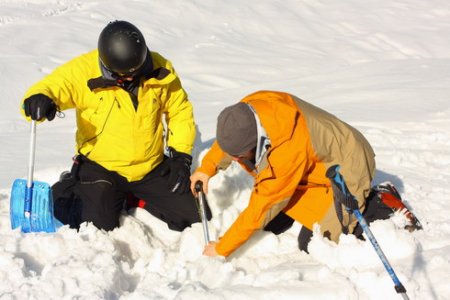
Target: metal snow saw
(31,203)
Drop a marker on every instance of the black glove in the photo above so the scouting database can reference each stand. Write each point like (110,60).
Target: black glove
(179,169)
(39,106)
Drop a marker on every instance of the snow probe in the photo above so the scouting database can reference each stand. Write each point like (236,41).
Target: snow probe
(31,203)
(201,205)
(343,195)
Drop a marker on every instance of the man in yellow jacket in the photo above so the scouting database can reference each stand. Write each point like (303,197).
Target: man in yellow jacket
(287,144)
(135,131)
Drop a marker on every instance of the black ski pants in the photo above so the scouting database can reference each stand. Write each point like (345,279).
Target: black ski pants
(98,195)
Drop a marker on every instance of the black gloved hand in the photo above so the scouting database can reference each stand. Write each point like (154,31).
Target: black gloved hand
(179,169)
(39,106)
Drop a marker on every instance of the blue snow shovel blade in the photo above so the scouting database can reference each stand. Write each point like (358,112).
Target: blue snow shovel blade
(40,218)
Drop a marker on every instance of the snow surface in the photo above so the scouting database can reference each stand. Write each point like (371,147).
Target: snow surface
(383,66)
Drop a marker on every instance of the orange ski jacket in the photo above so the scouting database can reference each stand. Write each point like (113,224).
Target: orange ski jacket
(304,141)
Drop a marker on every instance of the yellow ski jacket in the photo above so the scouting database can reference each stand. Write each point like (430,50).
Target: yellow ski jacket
(110,131)
(304,142)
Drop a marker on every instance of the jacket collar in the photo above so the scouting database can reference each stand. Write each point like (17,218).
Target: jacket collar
(276,122)
(263,141)
(278,118)
(107,79)
(262,148)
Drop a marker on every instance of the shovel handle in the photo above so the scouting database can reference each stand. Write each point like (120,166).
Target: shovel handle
(32,154)
(29,190)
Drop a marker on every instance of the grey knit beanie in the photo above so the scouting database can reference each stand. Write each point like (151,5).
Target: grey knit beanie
(236,129)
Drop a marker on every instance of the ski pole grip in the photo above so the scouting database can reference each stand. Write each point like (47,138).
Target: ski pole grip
(331,172)
(336,178)
(340,188)
(199,186)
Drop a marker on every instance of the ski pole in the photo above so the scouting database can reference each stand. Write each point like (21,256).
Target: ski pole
(341,191)
(202,209)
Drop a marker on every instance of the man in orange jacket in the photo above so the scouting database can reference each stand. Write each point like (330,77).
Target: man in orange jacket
(287,144)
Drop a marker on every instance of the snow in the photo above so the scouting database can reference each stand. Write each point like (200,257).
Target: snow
(382,66)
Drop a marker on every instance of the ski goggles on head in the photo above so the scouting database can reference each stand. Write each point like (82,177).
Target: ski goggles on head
(132,73)
(128,74)
(124,75)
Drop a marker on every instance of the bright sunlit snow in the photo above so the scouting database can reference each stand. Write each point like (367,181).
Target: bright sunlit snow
(383,66)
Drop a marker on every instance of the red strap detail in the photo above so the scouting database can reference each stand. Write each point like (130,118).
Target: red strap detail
(133,201)
(141,203)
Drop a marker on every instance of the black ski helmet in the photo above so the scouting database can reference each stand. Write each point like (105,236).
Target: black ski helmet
(122,48)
